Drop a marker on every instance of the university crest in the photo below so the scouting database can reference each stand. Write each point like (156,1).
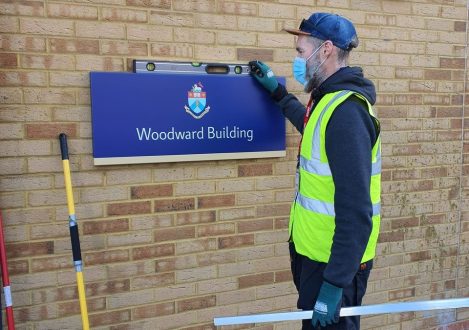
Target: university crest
(197,101)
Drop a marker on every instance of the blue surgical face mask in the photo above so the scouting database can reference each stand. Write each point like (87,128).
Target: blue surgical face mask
(299,67)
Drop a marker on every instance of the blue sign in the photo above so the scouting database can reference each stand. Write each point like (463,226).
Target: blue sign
(164,117)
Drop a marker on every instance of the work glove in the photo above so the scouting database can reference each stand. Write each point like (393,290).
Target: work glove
(327,307)
(263,75)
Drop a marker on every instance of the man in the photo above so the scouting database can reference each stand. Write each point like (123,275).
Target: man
(335,216)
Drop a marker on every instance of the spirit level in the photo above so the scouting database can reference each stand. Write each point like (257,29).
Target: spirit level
(141,66)
(349,311)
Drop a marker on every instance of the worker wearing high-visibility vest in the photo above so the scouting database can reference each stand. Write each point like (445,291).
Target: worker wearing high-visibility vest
(335,216)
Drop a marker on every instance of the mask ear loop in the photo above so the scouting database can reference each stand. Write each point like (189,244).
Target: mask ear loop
(315,51)
(317,68)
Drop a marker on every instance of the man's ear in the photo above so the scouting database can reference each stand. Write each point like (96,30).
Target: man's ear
(328,47)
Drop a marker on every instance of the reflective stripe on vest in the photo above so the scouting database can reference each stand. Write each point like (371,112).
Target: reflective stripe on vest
(326,208)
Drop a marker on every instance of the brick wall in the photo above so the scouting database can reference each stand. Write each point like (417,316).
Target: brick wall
(173,245)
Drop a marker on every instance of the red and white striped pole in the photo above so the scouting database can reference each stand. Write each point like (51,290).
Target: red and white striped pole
(6,280)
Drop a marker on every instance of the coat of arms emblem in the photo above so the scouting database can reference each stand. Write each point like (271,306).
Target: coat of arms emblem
(197,101)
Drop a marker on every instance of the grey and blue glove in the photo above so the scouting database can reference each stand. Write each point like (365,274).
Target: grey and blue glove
(263,75)
(327,307)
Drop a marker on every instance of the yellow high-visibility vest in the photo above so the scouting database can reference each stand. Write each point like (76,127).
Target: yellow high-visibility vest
(312,216)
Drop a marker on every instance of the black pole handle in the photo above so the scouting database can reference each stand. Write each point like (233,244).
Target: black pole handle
(75,239)
(63,145)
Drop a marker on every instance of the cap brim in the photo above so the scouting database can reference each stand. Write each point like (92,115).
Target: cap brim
(297,32)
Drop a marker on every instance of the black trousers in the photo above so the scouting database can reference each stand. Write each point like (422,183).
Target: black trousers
(307,276)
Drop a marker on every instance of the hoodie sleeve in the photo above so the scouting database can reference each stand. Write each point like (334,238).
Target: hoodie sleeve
(291,107)
(350,135)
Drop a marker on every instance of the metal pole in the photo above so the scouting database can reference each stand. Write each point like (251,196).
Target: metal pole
(6,280)
(348,311)
(72,221)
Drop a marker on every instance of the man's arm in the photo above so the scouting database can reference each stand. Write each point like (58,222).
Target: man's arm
(350,136)
(291,107)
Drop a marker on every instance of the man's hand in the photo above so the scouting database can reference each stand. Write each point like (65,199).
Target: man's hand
(327,308)
(263,75)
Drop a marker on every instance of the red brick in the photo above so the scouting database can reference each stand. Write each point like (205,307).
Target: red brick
(460,26)
(457,99)
(435,74)
(419,256)
(196,303)
(283,276)
(235,241)
(216,201)
(153,251)
(405,223)
(249,54)
(8,61)
(450,285)
(106,257)
(178,204)
(393,236)
(171,234)
(50,131)
(255,170)
(447,112)
(153,310)
(255,225)
(71,46)
(463,325)
(452,63)
(154,191)
(433,219)
(19,250)
(282,223)
(249,281)
(129,208)
(109,317)
(17,267)
(105,226)
(456,123)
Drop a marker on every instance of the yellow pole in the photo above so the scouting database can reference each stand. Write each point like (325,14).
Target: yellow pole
(74,237)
